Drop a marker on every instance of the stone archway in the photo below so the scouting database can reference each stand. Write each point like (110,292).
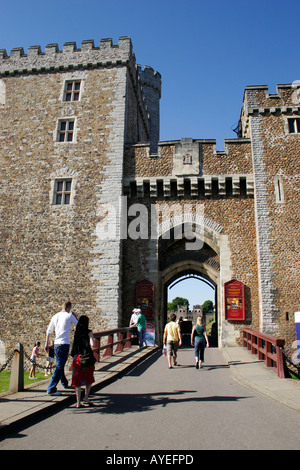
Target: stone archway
(212,261)
(202,272)
(175,269)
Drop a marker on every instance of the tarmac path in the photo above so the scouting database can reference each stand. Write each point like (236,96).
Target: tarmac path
(155,408)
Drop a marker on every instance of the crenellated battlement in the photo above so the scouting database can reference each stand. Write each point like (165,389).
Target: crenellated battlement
(149,77)
(53,59)
(286,100)
(259,101)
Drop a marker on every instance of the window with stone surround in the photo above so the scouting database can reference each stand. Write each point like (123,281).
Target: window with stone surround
(62,191)
(72,90)
(294,125)
(66,130)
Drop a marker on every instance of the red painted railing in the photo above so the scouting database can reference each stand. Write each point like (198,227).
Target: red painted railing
(267,348)
(123,341)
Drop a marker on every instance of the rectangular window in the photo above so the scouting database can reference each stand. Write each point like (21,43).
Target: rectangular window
(62,191)
(72,90)
(65,132)
(294,125)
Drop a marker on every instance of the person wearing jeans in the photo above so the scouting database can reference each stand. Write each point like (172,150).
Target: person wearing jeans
(60,322)
(141,327)
(199,340)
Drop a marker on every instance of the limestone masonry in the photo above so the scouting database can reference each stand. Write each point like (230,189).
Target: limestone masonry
(84,175)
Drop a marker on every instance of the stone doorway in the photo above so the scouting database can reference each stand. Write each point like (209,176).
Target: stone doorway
(197,289)
(175,261)
(178,271)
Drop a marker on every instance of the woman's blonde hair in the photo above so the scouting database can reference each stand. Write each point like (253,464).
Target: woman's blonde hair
(200,320)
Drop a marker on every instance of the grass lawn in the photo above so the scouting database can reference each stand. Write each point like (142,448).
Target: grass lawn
(5,379)
(294,376)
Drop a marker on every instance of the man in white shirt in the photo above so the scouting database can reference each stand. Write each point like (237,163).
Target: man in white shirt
(133,318)
(60,322)
(132,322)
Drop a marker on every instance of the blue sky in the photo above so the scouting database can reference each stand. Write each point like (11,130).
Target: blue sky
(196,291)
(206,51)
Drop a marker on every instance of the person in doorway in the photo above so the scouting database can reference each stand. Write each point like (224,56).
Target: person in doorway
(60,322)
(84,343)
(133,320)
(33,358)
(141,327)
(199,340)
(172,339)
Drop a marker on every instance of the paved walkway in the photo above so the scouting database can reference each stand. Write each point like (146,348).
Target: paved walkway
(20,408)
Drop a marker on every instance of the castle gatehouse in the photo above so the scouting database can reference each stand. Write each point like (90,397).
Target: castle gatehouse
(95,208)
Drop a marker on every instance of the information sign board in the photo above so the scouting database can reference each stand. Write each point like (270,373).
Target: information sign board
(144,298)
(234,300)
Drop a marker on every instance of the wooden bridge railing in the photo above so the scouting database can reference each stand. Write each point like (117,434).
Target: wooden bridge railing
(267,348)
(123,341)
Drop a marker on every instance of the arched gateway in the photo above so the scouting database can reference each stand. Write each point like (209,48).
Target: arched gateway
(181,257)
(185,245)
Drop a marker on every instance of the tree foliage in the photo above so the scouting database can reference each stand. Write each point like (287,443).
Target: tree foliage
(207,306)
(177,301)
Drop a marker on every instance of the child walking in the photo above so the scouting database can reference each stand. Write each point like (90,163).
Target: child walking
(33,357)
(50,359)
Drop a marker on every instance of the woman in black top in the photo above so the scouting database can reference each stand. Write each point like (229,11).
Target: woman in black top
(200,340)
(83,344)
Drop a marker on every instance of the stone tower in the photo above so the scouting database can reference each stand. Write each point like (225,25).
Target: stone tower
(272,122)
(65,118)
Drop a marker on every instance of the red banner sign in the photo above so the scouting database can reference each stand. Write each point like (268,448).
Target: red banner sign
(234,300)
(144,298)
